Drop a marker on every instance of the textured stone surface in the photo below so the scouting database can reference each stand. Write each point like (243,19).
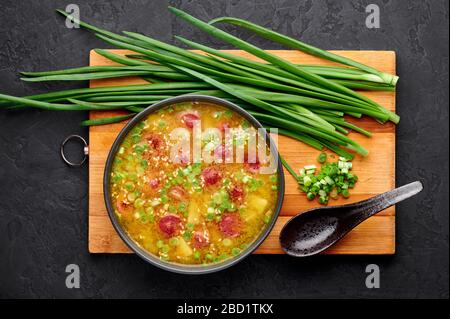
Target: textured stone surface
(43,211)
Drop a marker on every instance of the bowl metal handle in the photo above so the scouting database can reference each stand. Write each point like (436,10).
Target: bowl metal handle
(85,150)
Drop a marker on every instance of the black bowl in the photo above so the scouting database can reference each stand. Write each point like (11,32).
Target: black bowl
(176,267)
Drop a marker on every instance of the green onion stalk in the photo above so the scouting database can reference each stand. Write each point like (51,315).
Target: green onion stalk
(305,102)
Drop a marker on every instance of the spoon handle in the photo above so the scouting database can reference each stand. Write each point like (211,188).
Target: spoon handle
(380,202)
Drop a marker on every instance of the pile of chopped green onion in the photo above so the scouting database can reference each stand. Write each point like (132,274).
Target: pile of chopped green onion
(306,102)
(333,179)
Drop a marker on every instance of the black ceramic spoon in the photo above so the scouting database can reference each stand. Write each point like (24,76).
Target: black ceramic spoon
(315,230)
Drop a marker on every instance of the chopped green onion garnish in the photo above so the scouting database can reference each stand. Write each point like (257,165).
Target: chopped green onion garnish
(227,242)
(331,180)
(322,158)
(235,251)
(173,241)
(159,243)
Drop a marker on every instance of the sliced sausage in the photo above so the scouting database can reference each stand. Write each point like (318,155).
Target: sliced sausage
(219,152)
(199,239)
(177,192)
(123,207)
(211,175)
(189,119)
(184,159)
(230,225)
(236,193)
(154,183)
(223,152)
(170,225)
(224,126)
(155,141)
(252,165)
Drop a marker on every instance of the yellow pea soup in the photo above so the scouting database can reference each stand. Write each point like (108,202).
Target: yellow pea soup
(184,210)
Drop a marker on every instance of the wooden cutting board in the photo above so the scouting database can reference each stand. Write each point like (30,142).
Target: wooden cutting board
(376,172)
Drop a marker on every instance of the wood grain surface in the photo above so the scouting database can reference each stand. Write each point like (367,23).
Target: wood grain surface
(376,172)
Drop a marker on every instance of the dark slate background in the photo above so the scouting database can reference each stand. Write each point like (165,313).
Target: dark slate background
(43,210)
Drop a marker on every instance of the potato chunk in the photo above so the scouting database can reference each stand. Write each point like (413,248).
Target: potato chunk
(193,213)
(183,249)
(256,206)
